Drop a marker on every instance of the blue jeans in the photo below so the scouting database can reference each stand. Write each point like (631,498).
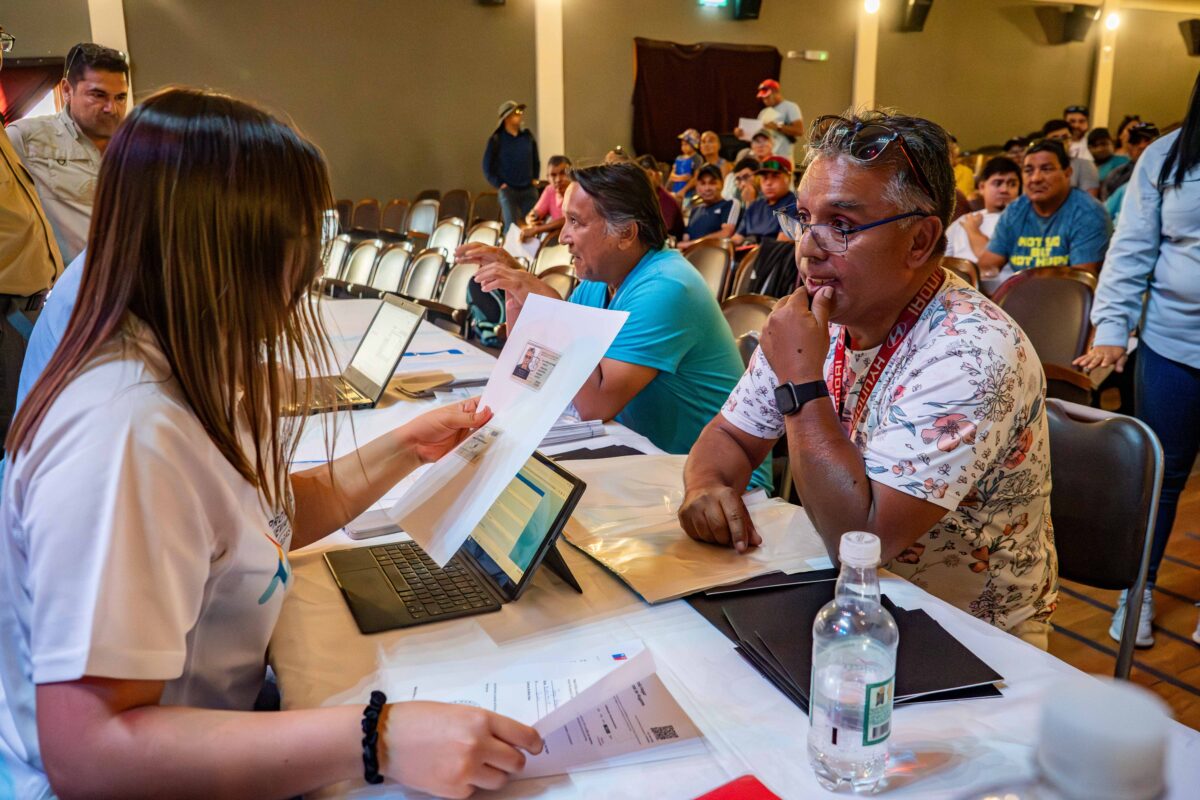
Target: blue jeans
(1167,396)
(516,203)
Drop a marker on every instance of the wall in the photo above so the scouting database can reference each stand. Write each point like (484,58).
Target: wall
(400,94)
(27,21)
(1152,72)
(598,63)
(984,70)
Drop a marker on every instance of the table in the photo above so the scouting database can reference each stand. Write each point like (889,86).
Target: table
(939,750)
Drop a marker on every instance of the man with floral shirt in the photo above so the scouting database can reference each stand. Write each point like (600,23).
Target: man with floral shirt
(914,407)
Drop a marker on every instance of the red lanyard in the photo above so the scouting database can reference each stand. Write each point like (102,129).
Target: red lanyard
(908,317)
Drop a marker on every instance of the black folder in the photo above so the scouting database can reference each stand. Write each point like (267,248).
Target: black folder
(772,629)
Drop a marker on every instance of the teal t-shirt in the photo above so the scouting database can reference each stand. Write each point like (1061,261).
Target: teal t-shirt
(676,327)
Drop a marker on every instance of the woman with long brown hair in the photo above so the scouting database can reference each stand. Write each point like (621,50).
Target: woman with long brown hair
(147,506)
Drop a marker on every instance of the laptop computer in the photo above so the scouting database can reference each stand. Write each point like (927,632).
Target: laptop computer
(398,586)
(363,382)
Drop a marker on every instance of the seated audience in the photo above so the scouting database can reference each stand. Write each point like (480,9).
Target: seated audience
(547,216)
(1139,135)
(714,217)
(759,222)
(686,164)
(159,474)
(1083,172)
(62,151)
(672,213)
(1078,122)
(674,361)
(936,441)
(741,183)
(964,176)
(1122,131)
(710,155)
(1014,148)
(999,184)
(1052,224)
(1100,145)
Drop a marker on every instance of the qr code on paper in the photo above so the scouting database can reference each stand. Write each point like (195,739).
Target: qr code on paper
(663,733)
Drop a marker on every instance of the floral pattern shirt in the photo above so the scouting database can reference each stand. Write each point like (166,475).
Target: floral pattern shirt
(958,419)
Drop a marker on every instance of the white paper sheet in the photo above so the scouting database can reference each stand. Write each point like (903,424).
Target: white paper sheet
(551,351)
(519,249)
(749,126)
(597,710)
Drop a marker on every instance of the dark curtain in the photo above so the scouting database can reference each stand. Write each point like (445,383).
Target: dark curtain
(705,86)
(21,87)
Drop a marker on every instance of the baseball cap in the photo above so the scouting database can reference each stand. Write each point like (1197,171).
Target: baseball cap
(775,164)
(761,133)
(508,107)
(691,136)
(766,87)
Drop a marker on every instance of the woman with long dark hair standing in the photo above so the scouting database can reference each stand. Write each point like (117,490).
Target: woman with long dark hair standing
(147,507)
(1155,254)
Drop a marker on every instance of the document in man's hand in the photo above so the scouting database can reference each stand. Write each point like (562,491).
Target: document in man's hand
(551,351)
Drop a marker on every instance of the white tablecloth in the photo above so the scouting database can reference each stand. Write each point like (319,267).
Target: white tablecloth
(939,750)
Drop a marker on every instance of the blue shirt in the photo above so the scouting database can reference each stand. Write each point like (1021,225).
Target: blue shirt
(684,165)
(709,219)
(759,219)
(1108,166)
(676,327)
(511,159)
(1077,233)
(1156,249)
(50,326)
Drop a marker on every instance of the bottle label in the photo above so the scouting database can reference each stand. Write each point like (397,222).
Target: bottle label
(877,711)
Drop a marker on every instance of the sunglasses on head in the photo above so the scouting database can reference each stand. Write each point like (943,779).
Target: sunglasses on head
(868,141)
(1075,110)
(89,50)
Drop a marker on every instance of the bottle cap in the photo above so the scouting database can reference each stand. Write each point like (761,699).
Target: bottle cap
(859,549)
(1103,739)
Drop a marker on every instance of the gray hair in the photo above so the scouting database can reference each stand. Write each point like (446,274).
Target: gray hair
(927,142)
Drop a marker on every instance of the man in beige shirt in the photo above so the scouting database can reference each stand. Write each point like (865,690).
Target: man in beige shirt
(63,150)
(29,263)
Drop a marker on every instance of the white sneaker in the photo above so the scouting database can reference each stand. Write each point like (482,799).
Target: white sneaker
(1145,629)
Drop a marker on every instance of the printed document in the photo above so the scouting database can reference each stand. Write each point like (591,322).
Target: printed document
(552,350)
(749,126)
(517,248)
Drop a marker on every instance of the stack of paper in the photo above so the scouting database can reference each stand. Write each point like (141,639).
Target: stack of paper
(773,631)
(569,429)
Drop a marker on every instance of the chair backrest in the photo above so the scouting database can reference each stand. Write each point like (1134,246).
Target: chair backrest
(747,313)
(561,279)
(424,275)
(747,343)
(423,215)
(553,255)
(712,259)
(488,232)
(335,257)
(486,207)
(964,268)
(447,236)
(362,262)
(391,268)
(395,216)
(366,215)
(1053,305)
(743,279)
(429,194)
(456,203)
(345,210)
(454,290)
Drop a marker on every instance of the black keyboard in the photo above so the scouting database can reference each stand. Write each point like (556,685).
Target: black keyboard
(427,590)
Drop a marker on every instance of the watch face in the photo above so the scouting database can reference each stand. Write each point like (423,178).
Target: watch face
(785,399)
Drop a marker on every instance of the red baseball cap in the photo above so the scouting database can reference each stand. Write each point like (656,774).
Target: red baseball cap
(766,87)
(775,164)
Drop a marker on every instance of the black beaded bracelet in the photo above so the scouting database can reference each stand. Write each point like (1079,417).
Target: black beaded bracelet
(370,742)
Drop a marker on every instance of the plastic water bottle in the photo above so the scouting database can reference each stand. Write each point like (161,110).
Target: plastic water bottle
(853,674)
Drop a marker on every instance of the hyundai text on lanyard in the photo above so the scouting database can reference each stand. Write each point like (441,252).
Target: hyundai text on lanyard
(838,389)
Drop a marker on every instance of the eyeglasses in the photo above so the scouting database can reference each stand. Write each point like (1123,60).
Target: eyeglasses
(830,237)
(869,141)
(7,40)
(89,51)
(1075,110)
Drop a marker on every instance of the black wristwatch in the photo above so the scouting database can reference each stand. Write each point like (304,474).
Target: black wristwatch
(790,397)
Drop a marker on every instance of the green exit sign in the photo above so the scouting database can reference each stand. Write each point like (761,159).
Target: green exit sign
(714,3)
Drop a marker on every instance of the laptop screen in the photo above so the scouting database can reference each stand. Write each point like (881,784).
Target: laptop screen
(382,346)
(515,532)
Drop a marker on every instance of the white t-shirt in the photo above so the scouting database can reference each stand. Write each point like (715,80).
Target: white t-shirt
(958,245)
(130,548)
(1079,149)
(957,419)
(784,112)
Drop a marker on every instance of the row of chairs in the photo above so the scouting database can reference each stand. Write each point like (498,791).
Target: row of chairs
(402,217)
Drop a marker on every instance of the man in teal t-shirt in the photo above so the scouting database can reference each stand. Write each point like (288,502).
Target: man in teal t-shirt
(675,361)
